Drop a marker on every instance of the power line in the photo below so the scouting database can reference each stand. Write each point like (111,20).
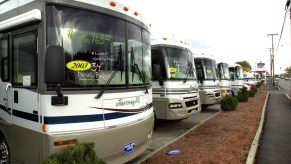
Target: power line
(286,9)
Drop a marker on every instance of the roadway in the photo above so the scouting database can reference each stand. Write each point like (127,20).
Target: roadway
(284,86)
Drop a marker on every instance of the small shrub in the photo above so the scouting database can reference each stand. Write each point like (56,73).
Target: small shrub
(243,95)
(251,93)
(262,82)
(258,85)
(228,103)
(254,88)
(80,153)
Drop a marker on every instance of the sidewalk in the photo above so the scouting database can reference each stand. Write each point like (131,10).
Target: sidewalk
(275,145)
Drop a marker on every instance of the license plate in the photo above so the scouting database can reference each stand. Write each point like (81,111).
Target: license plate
(193,112)
(129,147)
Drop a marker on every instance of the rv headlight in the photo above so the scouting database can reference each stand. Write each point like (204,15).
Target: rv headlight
(209,95)
(175,105)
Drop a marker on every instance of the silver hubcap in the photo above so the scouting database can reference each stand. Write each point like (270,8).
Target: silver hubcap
(4,153)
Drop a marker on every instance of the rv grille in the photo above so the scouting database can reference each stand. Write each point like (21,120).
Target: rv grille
(217,94)
(191,103)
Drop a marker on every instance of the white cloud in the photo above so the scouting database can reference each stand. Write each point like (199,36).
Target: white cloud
(234,29)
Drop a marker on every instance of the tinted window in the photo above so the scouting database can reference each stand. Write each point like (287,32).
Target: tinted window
(24,59)
(4,58)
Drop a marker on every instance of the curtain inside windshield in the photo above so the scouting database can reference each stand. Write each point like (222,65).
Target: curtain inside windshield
(94,46)
(239,72)
(179,64)
(224,72)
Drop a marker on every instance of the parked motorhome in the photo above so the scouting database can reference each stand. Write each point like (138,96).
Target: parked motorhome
(236,78)
(208,82)
(73,71)
(175,88)
(224,79)
(249,79)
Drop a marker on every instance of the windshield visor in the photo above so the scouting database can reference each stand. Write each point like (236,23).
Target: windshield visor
(179,64)
(95,47)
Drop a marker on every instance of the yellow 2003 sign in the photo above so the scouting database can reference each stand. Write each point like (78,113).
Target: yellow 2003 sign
(172,70)
(78,65)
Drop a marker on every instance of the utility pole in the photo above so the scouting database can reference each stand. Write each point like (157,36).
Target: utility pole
(271,67)
(272,59)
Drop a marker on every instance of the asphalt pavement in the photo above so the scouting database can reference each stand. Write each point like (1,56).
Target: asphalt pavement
(275,143)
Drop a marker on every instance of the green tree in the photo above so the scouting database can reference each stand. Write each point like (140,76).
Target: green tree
(287,72)
(246,65)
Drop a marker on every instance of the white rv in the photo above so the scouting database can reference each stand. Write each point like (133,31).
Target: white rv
(73,71)
(236,78)
(208,82)
(175,88)
(224,79)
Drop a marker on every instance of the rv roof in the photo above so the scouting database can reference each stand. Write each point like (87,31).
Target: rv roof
(170,41)
(8,5)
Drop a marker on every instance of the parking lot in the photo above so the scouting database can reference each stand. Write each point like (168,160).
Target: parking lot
(167,132)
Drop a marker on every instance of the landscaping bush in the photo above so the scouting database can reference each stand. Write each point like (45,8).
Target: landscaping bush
(228,103)
(254,89)
(259,84)
(80,153)
(251,93)
(243,95)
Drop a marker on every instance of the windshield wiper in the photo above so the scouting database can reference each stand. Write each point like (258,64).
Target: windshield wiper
(189,68)
(135,66)
(117,67)
(140,76)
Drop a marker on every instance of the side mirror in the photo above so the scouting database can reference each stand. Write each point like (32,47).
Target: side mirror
(55,65)
(55,73)
(157,73)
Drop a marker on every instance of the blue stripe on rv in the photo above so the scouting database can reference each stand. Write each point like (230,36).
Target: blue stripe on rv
(84,118)
(70,119)
(4,108)
(24,115)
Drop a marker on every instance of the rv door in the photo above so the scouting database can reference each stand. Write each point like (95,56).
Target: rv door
(4,84)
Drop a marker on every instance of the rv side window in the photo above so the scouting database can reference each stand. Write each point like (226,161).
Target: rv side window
(24,59)
(4,58)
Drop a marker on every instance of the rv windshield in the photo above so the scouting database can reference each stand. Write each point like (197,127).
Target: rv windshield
(223,71)
(97,48)
(209,69)
(178,64)
(239,72)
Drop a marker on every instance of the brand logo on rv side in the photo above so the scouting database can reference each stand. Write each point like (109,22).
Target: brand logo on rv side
(122,102)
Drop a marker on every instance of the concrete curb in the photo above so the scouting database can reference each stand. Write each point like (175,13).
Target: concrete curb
(176,139)
(256,140)
(287,96)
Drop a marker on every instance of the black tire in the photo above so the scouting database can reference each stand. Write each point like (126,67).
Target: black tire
(4,151)
(204,106)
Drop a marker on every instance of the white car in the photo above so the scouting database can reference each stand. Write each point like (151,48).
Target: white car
(249,82)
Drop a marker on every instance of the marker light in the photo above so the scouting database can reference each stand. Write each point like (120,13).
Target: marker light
(136,13)
(125,8)
(67,142)
(112,4)
(165,39)
(43,128)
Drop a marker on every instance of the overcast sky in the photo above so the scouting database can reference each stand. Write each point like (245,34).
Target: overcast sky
(230,30)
